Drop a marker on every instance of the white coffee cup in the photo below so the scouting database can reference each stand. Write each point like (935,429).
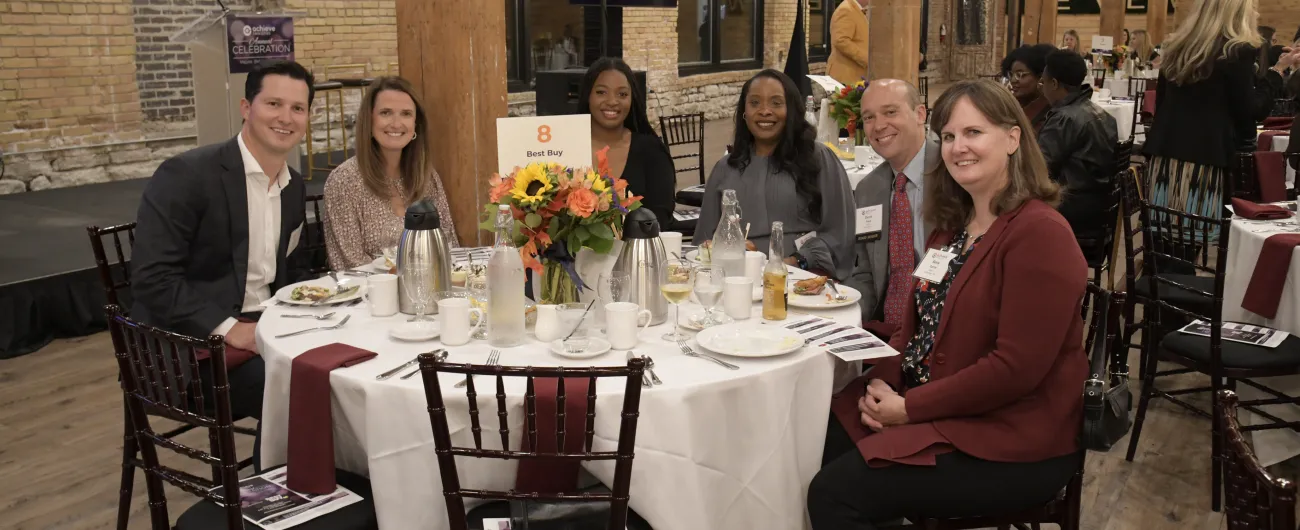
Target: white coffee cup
(621,320)
(754,263)
(672,244)
(453,318)
(381,294)
(738,297)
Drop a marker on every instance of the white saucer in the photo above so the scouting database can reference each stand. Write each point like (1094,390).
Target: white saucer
(596,347)
(415,331)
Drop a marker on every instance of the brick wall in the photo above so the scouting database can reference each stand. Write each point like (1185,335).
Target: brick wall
(343,32)
(67,79)
(163,68)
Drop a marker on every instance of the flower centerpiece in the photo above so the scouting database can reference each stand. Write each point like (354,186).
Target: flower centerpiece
(558,211)
(846,110)
(1115,59)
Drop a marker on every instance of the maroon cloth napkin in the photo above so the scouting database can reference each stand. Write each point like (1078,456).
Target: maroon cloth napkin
(311,429)
(1265,289)
(1149,102)
(234,356)
(1270,171)
(552,475)
(1259,212)
(1265,140)
(1278,122)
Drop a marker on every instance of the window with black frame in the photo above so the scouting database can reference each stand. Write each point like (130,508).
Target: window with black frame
(544,35)
(719,35)
(819,28)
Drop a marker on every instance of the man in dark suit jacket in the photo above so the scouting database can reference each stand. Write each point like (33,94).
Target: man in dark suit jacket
(217,226)
(893,118)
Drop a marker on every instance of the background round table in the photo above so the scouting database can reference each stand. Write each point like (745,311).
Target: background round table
(715,448)
(1244,244)
(1122,111)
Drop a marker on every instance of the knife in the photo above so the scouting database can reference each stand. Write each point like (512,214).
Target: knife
(442,356)
(345,292)
(404,366)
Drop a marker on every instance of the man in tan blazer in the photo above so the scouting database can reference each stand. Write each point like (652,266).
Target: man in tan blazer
(849,42)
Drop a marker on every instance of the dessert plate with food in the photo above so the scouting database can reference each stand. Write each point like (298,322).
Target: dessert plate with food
(820,292)
(321,291)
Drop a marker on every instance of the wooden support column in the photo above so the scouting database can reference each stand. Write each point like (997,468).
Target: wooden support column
(895,40)
(454,52)
(1157,15)
(1039,23)
(1112,21)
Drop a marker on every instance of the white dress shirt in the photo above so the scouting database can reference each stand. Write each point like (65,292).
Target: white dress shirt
(263,232)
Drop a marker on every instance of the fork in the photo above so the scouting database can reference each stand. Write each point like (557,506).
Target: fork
(687,351)
(323,328)
(838,297)
(493,359)
(326,316)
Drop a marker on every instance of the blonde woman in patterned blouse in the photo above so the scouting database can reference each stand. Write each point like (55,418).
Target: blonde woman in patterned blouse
(367,195)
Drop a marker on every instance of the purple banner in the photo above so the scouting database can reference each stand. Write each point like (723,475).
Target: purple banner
(253,40)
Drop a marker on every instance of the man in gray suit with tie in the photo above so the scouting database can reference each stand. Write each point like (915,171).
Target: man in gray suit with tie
(890,231)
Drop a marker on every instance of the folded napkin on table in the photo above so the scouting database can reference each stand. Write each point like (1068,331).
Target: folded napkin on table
(552,475)
(1265,289)
(234,356)
(1264,142)
(1259,212)
(1270,172)
(311,429)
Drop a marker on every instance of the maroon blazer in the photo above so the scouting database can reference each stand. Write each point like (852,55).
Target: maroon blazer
(1008,367)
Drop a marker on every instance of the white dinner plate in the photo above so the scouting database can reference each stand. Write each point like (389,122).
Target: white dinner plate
(694,256)
(824,299)
(749,339)
(596,347)
(415,331)
(285,294)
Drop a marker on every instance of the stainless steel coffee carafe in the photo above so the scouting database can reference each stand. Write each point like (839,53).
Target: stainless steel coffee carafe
(642,258)
(424,256)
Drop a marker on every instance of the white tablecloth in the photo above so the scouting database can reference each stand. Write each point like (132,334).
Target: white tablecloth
(1280,143)
(1122,111)
(1244,245)
(715,448)
(859,169)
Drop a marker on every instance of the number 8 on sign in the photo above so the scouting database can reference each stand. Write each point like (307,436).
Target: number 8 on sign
(544,133)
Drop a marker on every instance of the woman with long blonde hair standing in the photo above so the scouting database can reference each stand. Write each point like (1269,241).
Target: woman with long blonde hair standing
(1205,105)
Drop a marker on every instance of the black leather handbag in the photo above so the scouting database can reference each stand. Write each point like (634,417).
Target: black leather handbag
(1106,411)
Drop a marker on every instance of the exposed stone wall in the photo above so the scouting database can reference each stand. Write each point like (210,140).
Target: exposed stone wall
(88,165)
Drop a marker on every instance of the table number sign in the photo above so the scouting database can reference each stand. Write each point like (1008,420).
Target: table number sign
(565,140)
(1102,43)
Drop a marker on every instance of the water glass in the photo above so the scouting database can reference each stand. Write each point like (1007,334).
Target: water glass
(573,326)
(416,281)
(709,282)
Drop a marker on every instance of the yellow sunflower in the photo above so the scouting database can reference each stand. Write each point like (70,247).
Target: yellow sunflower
(531,185)
(598,183)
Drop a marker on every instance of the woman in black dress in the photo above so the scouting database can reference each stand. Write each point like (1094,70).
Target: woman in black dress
(618,121)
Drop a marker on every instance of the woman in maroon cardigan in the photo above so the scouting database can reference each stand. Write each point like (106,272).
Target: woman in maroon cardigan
(980,413)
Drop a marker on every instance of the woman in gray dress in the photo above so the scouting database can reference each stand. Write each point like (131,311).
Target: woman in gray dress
(780,173)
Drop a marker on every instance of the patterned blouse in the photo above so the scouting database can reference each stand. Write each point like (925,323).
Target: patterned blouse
(929,308)
(359,225)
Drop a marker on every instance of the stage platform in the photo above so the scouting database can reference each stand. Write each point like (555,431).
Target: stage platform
(49,287)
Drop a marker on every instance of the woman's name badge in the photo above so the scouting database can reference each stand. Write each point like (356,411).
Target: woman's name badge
(934,266)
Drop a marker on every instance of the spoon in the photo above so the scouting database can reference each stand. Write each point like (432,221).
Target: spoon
(645,378)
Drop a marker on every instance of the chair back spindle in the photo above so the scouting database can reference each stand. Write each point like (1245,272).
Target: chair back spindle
(685,130)
(109,270)
(1255,499)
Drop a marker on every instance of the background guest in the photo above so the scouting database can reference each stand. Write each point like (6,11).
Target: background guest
(1140,51)
(850,34)
(1026,67)
(893,118)
(1205,105)
(1078,142)
(618,121)
(983,417)
(366,196)
(780,173)
(1071,42)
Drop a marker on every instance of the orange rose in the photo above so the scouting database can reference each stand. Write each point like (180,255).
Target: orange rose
(500,188)
(582,202)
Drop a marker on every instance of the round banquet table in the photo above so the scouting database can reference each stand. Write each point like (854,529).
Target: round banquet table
(1122,111)
(859,169)
(1244,244)
(715,448)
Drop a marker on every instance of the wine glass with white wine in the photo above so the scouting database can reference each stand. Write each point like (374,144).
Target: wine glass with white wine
(675,283)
